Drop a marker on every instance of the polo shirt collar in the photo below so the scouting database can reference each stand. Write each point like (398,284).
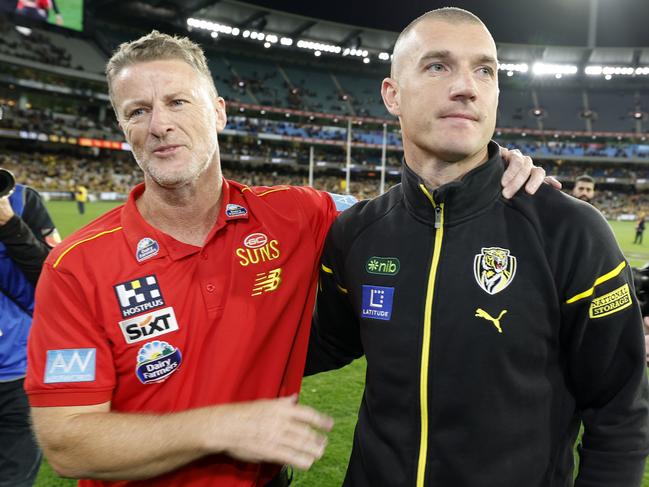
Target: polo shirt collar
(148,243)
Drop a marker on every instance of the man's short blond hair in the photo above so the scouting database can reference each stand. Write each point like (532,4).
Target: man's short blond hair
(157,46)
(451,15)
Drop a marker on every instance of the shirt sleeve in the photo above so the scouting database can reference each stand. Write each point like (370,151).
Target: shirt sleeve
(602,333)
(320,211)
(335,334)
(70,361)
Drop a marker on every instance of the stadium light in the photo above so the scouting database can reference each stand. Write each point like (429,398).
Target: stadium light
(366,60)
(286,41)
(513,67)
(384,56)
(542,69)
(616,71)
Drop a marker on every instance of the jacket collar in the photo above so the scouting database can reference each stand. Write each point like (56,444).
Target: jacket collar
(462,199)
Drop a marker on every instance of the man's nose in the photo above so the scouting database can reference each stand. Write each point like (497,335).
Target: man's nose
(161,121)
(463,85)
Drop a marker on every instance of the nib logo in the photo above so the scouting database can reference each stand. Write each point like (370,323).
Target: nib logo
(386,266)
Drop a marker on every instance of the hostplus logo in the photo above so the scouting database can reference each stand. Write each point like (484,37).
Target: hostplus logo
(139,295)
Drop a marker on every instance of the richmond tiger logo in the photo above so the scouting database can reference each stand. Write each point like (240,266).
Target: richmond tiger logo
(494,269)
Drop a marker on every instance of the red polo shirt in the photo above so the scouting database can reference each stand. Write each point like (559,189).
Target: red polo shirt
(127,314)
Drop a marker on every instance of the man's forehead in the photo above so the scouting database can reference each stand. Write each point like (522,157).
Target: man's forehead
(436,34)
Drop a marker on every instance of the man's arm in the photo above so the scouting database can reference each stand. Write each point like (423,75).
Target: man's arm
(602,337)
(335,335)
(81,441)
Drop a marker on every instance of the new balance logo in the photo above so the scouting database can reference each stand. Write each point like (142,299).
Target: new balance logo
(267,282)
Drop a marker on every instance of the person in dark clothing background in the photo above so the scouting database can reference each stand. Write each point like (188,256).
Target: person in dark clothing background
(26,236)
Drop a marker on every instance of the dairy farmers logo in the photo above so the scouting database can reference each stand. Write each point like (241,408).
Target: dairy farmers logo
(148,326)
(146,248)
(385,266)
(257,248)
(139,295)
(156,361)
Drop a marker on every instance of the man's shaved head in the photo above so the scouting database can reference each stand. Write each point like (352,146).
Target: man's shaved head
(451,15)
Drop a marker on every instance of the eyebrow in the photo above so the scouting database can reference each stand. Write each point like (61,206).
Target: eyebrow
(170,96)
(445,54)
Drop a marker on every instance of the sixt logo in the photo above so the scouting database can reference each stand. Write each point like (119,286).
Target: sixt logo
(149,325)
(386,266)
(257,249)
(139,295)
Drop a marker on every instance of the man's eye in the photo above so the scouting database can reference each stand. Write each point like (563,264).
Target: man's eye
(178,103)
(136,113)
(436,67)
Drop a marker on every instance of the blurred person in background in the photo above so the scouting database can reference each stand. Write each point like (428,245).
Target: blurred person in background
(492,328)
(639,229)
(26,236)
(39,10)
(81,197)
(584,188)
(170,334)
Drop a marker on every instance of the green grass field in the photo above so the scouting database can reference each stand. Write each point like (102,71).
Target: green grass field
(336,393)
(72,13)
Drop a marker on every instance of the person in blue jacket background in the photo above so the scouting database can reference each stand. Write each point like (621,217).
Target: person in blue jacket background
(26,236)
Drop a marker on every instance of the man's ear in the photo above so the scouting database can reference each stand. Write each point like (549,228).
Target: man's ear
(221,115)
(390,95)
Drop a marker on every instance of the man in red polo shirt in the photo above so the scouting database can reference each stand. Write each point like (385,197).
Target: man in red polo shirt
(170,334)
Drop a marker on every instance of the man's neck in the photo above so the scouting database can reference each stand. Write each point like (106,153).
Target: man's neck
(435,171)
(187,213)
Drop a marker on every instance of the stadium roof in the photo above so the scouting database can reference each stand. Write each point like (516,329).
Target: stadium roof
(581,32)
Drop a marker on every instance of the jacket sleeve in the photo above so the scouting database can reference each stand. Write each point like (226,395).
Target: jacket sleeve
(603,343)
(25,238)
(335,336)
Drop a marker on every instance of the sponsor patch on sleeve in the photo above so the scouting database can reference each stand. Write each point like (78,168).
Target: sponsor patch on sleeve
(343,201)
(70,365)
(610,303)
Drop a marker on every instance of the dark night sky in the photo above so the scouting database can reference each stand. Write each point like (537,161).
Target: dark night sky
(621,23)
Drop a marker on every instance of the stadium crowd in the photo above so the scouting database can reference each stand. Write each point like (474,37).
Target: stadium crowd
(62,172)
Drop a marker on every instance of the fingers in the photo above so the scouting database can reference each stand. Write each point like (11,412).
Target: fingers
(519,168)
(278,431)
(555,183)
(313,418)
(536,179)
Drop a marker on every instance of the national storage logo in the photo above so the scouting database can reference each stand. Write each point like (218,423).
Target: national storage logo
(385,266)
(139,295)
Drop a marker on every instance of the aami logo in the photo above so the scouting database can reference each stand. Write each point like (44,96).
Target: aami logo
(257,249)
(70,365)
(149,325)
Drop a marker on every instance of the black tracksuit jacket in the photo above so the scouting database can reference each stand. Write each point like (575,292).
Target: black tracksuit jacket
(491,328)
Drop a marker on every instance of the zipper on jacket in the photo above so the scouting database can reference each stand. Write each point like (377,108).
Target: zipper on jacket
(425,346)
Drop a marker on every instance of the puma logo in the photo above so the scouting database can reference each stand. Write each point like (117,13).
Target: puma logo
(480,313)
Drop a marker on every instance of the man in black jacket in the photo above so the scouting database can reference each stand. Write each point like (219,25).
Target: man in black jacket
(492,328)
(26,236)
